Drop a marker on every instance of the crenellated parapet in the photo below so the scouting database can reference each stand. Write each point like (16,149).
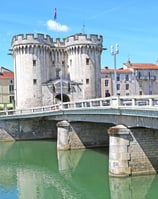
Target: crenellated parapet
(81,42)
(31,39)
(78,40)
(30,43)
(83,38)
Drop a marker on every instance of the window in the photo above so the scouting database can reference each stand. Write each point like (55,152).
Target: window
(34,62)
(70,62)
(127,86)
(118,86)
(118,77)
(87,81)
(107,94)
(106,82)
(11,88)
(139,74)
(57,74)
(140,93)
(127,77)
(87,61)
(34,81)
(11,99)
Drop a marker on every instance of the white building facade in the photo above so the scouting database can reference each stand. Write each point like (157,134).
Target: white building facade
(131,79)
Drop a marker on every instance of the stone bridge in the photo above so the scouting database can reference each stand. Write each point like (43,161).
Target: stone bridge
(128,125)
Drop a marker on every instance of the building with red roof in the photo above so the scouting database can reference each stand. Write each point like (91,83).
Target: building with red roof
(6,88)
(131,79)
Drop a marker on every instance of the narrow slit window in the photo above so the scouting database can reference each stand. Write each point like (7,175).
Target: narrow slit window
(87,61)
(87,81)
(34,81)
(34,62)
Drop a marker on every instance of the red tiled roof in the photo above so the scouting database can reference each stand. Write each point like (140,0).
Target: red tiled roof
(107,70)
(7,75)
(144,66)
(128,70)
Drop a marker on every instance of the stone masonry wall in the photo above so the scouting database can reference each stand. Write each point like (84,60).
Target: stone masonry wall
(144,151)
(132,151)
(27,129)
(79,135)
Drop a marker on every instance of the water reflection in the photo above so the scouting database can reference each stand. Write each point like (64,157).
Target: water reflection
(85,171)
(131,187)
(68,160)
(35,170)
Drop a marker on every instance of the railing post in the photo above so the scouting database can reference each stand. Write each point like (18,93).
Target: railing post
(115,101)
(101,102)
(150,101)
(118,100)
(133,101)
(90,103)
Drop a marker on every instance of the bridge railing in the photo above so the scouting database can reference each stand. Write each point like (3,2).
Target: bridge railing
(150,101)
(115,102)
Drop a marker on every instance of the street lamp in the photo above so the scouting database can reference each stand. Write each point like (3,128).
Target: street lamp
(149,83)
(114,52)
(61,87)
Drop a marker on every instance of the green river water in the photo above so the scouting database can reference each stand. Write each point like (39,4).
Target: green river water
(35,170)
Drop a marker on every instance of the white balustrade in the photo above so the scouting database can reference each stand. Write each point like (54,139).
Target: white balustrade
(150,101)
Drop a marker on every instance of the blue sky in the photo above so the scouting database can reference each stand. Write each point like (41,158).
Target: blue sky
(132,24)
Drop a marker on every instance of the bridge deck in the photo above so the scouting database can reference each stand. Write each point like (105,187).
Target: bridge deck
(95,110)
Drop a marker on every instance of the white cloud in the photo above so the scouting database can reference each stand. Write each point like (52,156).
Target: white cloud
(53,25)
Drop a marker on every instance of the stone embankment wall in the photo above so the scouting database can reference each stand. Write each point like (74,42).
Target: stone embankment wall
(27,129)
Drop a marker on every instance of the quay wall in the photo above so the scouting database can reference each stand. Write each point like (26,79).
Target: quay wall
(27,129)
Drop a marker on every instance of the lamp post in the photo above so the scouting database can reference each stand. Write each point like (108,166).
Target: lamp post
(114,52)
(61,87)
(149,83)
(135,82)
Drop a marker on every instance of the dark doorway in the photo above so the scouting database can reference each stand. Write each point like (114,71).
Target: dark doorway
(65,97)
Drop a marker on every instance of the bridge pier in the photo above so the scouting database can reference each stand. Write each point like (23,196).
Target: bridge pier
(67,137)
(132,151)
(81,135)
(63,135)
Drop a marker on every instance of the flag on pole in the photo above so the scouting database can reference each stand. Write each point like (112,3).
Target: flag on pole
(55,14)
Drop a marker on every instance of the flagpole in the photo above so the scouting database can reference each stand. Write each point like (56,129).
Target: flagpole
(55,14)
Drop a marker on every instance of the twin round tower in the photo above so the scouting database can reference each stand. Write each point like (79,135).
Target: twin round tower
(48,71)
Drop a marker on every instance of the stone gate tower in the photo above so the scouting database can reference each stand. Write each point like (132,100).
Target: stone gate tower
(47,71)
